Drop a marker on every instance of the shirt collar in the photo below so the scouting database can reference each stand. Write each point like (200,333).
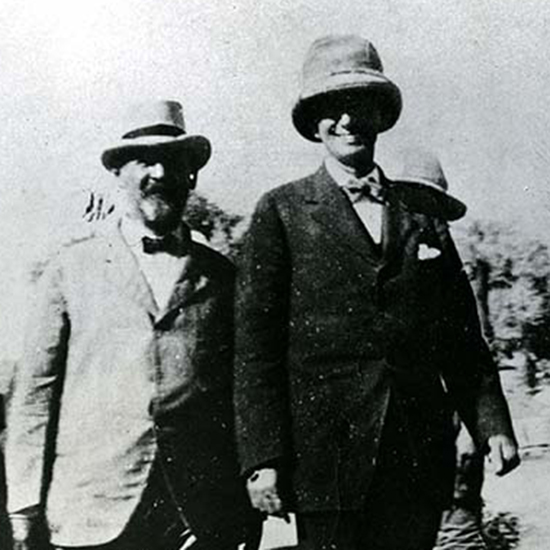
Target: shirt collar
(342,176)
(134,231)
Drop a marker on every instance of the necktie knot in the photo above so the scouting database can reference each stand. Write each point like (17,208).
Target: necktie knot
(169,244)
(367,188)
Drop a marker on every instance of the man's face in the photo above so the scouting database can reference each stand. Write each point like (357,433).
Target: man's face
(156,188)
(348,131)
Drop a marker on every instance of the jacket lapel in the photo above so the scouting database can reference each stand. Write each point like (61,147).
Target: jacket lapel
(190,285)
(399,227)
(123,271)
(329,207)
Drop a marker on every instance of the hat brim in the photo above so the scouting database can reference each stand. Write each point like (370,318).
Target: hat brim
(195,147)
(424,199)
(309,108)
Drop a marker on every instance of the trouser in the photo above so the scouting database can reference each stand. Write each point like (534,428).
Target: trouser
(390,520)
(461,530)
(398,513)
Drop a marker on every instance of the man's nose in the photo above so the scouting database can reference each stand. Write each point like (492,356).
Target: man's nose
(345,119)
(156,170)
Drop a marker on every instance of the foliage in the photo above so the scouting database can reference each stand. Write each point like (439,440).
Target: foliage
(514,271)
(501,531)
(221,229)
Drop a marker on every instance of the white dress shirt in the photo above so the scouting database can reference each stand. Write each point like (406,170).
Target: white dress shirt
(161,270)
(370,213)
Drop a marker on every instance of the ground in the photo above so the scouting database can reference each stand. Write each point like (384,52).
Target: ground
(522,499)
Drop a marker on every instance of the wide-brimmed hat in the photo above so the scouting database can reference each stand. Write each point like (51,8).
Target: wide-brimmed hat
(337,66)
(420,183)
(157,126)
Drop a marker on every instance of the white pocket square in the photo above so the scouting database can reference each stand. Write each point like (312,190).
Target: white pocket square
(426,252)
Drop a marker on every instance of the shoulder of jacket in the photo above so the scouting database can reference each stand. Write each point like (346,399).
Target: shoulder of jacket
(290,188)
(70,244)
(80,243)
(213,261)
(79,240)
(71,251)
(286,193)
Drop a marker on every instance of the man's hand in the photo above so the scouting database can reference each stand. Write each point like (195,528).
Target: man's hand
(27,531)
(503,454)
(22,528)
(263,493)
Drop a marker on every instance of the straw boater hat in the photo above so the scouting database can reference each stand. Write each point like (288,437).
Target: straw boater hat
(420,183)
(337,66)
(157,126)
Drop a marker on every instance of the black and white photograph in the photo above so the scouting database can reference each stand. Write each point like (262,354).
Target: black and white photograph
(276,275)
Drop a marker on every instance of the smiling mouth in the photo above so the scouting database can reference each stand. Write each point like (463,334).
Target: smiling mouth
(155,191)
(350,138)
(162,194)
(155,188)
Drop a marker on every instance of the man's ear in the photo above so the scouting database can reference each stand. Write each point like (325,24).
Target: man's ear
(315,128)
(192,179)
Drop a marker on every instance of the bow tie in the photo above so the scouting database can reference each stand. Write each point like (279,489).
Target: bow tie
(365,189)
(169,244)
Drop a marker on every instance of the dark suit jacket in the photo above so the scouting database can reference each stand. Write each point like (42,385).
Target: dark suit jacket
(330,328)
(110,384)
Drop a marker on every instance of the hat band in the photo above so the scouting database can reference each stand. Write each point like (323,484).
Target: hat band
(346,80)
(157,130)
(422,181)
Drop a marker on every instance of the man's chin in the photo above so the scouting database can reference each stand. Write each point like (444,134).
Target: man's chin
(160,215)
(356,157)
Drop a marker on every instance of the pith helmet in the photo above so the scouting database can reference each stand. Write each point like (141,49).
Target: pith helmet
(342,65)
(420,181)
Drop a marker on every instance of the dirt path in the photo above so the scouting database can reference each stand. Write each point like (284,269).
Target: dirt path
(525,493)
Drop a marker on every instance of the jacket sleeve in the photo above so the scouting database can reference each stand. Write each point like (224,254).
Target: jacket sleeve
(261,388)
(470,373)
(31,420)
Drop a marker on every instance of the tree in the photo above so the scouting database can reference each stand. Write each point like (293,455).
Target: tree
(223,230)
(510,275)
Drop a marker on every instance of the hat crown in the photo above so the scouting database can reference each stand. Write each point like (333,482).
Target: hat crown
(339,54)
(343,64)
(159,117)
(159,126)
(421,166)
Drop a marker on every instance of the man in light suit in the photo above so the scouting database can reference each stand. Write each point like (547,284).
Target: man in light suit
(121,435)
(357,332)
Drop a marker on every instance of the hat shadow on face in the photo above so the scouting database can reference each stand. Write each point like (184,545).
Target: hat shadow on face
(335,66)
(174,156)
(379,109)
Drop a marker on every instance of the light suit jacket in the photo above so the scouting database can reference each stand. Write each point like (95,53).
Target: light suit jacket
(100,362)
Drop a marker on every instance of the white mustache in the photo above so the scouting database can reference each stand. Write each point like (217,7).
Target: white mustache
(154,187)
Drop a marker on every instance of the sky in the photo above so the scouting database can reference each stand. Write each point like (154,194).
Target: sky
(474,77)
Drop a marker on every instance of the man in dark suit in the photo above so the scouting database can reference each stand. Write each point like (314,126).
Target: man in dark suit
(121,434)
(357,333)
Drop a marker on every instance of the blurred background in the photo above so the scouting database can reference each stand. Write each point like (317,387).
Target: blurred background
(474,77)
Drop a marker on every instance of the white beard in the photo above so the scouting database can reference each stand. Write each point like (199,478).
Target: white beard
(157,213)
